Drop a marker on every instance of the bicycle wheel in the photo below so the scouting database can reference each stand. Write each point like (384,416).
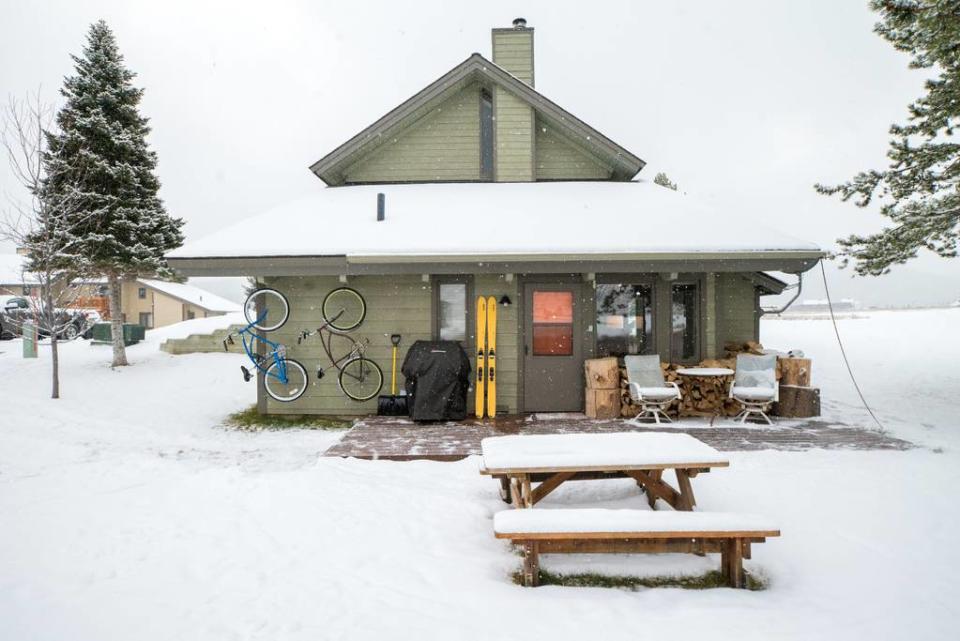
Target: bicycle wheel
(361,379)
(344,309)
(266,309)
(296,381)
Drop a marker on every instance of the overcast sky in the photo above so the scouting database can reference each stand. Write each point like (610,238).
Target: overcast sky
(744,104)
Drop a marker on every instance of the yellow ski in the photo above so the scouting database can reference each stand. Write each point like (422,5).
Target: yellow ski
(491,357)
(481,354)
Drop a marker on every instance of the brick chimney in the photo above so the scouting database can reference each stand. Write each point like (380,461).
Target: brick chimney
(514,120)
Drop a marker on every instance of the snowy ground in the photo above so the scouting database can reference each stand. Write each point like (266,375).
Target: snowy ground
(127,513)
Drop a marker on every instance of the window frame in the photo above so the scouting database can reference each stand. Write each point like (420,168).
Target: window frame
(650,284)
(698,284)
(149,316)
(142,293)
(645,279)
(572,324)
(487,137)
(470,303)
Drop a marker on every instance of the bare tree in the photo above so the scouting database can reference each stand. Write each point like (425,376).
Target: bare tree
(41,223)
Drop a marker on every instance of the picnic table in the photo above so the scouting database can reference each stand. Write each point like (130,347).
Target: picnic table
(552,459)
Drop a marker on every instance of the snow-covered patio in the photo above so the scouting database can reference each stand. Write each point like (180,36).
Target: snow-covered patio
(129,513)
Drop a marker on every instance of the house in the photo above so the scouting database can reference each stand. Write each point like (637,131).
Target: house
(491,189)
(151,303)
(14,281)
(157,303)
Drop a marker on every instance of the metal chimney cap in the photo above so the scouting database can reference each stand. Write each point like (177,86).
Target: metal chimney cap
(519,23)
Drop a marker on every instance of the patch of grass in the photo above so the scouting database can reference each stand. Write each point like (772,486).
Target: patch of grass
(251,420)
(591,580)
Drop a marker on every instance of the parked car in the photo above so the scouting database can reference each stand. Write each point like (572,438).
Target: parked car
(17,310)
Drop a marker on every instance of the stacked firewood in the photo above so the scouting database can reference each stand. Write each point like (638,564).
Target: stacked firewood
(701,396)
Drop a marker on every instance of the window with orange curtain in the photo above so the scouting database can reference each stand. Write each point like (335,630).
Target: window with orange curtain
(552,323)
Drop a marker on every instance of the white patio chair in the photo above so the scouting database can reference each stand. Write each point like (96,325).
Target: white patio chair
(648,388)
(755,386)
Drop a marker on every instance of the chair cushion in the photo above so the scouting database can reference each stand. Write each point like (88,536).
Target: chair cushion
(658,392)
(754,393)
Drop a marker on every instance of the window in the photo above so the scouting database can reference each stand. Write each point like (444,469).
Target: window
(685,326)
(146,319)
(25,290)
(452,310)
(624,319)
(142,292)
(552,323)
(486,135)
(191,315)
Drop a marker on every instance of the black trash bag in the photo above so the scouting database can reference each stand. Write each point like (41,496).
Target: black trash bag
(437,376)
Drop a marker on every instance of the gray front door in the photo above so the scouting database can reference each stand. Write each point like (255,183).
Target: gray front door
(552,350)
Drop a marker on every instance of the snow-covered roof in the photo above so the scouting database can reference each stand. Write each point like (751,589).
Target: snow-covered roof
(11,271)
(193,295)
(496,220)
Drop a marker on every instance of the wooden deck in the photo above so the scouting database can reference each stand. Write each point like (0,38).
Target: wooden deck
(403,440)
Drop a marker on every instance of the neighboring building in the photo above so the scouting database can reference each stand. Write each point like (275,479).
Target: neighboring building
(492,189)
(821,305)
(157,303)
(152,303)
(14,281)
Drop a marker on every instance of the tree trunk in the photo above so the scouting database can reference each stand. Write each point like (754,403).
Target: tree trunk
(116,322)
(51,318)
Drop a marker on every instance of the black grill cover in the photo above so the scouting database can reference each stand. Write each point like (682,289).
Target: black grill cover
(437,377)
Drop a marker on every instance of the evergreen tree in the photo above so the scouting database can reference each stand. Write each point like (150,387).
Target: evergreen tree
(101,146)
(920,190)
(664,181)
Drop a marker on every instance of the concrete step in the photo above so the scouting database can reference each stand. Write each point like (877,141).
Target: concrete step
(203,343)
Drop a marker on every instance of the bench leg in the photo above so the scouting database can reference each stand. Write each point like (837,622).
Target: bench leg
(505,489)
(687,501)
(515,499)
(731,563)
(531,564)
(526,491)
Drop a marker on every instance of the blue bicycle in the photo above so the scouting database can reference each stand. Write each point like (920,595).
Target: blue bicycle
(284,379)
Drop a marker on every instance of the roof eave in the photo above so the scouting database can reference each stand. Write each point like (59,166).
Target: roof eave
(793,261)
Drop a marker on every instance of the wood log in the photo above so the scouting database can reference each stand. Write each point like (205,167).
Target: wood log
(797,402)
(602,373)
(795,371)
(602,403)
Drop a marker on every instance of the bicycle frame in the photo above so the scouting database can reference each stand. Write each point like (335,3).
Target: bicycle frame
(327,333)
(278,352)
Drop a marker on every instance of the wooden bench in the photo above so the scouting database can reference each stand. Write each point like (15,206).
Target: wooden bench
(605,531)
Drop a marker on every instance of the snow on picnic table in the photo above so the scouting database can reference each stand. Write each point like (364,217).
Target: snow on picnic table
(127,513)
(552,451)
(625,521)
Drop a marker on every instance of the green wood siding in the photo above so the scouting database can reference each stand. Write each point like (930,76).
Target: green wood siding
(736,309)
(404,304)
(513,51)
(513,138)
(442,146)
(508,341)
(558,159)
(710,347)
(395,305)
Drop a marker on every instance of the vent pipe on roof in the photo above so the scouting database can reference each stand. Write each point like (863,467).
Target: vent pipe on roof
(519,23)
(381,207)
